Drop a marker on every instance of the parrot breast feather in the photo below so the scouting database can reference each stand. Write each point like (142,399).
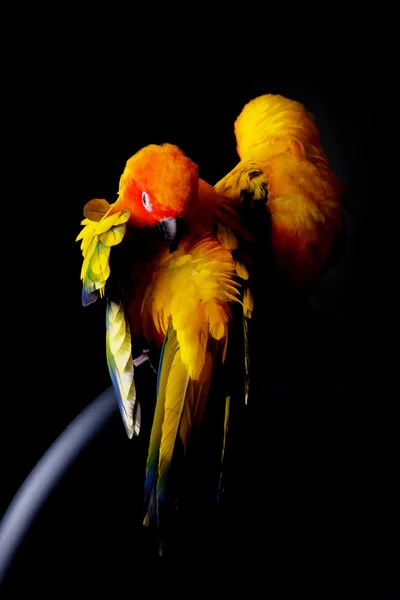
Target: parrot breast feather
(192,288)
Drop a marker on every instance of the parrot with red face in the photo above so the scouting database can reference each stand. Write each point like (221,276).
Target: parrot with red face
(174,258)
(165,257)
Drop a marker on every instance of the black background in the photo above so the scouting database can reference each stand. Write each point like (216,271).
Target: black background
(86,92)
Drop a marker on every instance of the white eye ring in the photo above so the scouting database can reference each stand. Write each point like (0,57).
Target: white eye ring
(146,202)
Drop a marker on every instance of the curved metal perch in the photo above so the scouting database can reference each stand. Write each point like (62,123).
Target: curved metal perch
(46,474)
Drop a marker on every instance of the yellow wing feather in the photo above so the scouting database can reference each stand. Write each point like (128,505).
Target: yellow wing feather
(175,394)
(104,227)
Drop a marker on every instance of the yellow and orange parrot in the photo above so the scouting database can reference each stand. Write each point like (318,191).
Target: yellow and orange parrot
(180,296)
(176,295)
(284,174)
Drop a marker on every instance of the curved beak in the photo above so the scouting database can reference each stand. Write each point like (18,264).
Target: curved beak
(171,229)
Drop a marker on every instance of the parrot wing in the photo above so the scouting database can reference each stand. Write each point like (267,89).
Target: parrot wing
(105,227)
(189,298)
(305,216)
(120,366)
(233,233)
(102,230)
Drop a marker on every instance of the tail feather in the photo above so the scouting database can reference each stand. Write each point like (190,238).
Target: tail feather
(179,411)
(175,395)
(175,389)
(168,352)
(246,358)
(196,400)
(224,444)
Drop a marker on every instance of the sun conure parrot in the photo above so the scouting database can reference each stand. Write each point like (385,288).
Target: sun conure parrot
(284,174)
(181,296)
(176,295)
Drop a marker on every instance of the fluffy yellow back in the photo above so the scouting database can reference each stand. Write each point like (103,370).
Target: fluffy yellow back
(271,124)
(284,166)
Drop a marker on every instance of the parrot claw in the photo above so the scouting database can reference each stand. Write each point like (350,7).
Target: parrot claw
(143,358)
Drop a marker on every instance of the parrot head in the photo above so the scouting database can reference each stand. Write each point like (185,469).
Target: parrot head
(157,186)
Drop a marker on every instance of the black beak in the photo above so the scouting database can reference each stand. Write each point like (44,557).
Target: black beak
(172,230)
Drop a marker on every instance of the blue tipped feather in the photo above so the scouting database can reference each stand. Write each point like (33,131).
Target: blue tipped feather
(155,438)
(89,297)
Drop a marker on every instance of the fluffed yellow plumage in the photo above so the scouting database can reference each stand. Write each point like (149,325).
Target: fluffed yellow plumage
(192,287)
(284,167)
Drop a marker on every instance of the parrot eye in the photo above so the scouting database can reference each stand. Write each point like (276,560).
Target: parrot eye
(146,202)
